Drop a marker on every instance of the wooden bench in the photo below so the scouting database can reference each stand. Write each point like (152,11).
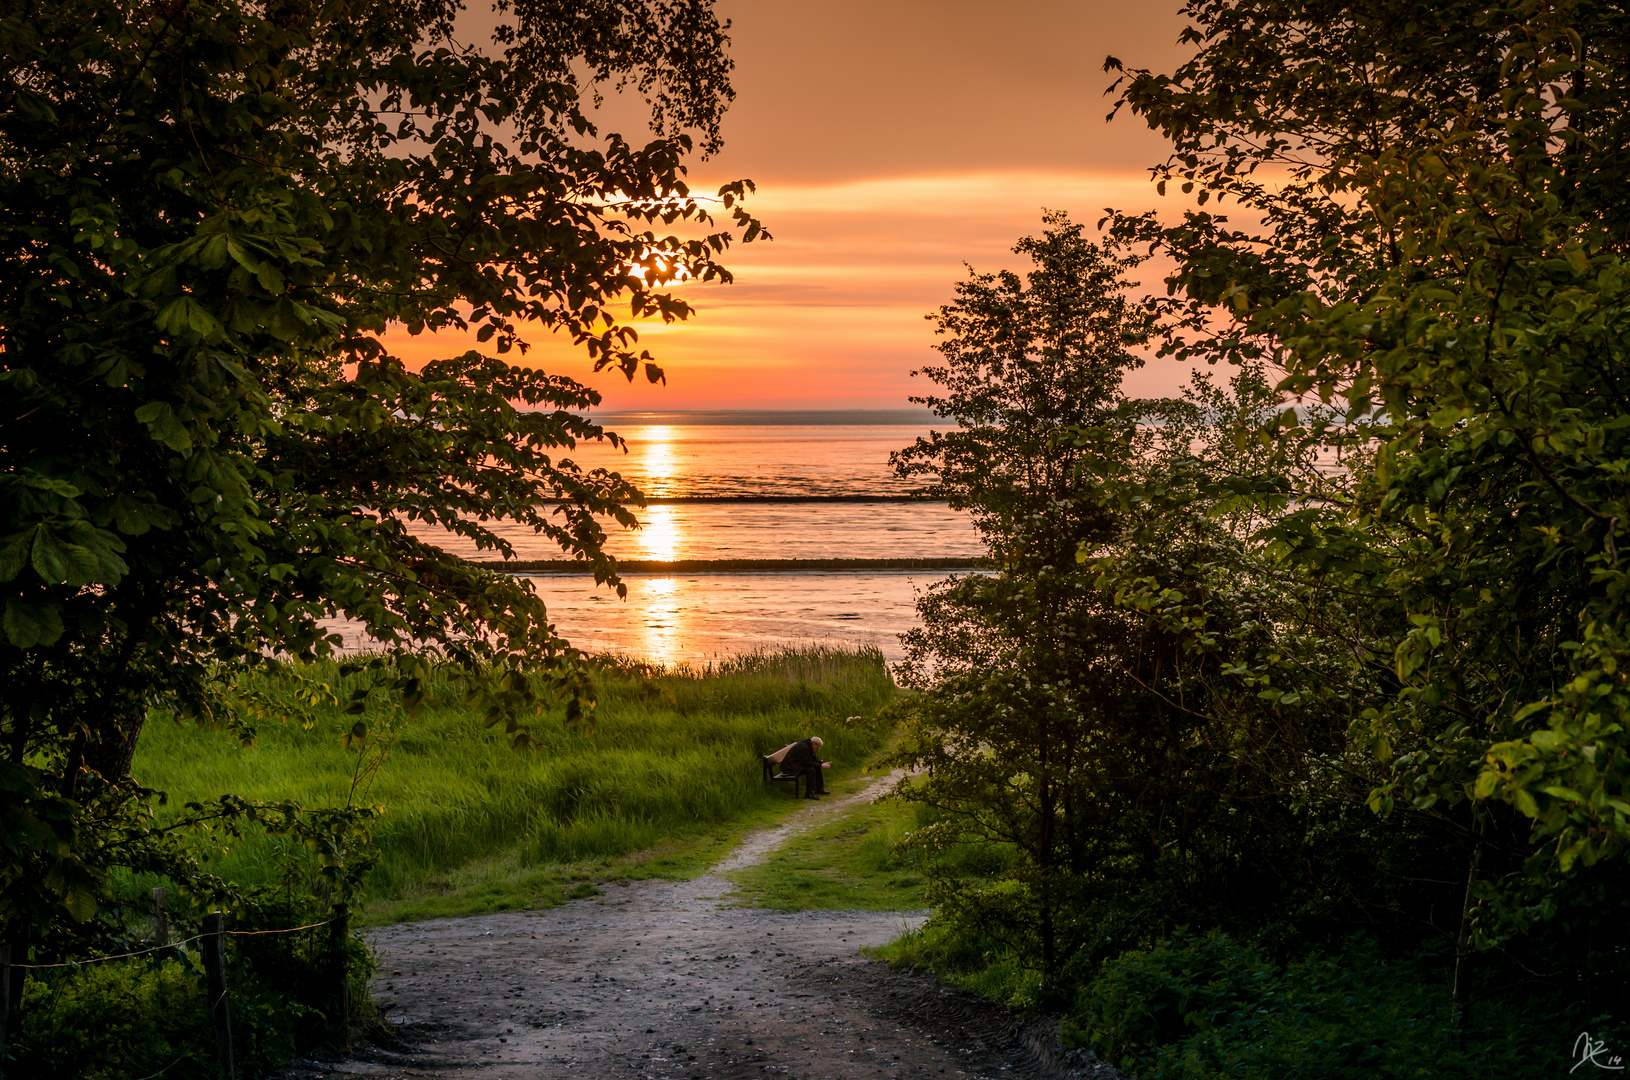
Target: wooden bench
(772,762)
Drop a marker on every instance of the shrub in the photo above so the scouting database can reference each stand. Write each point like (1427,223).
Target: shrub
(1209,1007)
(136,1018)
(1151,998)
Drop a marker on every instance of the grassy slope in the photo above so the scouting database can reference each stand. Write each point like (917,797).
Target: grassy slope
(669,776)
(850,862)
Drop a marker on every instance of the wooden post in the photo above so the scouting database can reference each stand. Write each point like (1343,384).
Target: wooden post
(5,1003)
(161,917)
(13,986)
(215,977)
(339,933)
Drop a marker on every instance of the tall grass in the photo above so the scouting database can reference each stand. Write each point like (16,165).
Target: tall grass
(674,753)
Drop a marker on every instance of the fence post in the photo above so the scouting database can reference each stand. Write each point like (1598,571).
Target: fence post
(339,933)
(161,917)
(12,986)
(5,1002)
(215,974)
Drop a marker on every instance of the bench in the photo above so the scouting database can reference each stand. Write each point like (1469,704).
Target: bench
(772,762)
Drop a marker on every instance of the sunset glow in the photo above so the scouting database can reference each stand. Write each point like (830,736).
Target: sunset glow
(932,146)
(830,314)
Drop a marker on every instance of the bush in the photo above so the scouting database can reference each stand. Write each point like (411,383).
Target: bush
(1148,999)
(1209,1007)
(114,1021)
(139,1017)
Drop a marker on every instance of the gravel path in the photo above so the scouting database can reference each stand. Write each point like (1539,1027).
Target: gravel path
(659,979)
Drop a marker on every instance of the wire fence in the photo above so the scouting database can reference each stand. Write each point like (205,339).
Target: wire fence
(212,947)
(168,947)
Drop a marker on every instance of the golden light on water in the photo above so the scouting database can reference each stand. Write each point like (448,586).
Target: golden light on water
(659,533)
(662,625)
(657,459)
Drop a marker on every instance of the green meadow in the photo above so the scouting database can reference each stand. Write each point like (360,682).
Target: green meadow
(666,777)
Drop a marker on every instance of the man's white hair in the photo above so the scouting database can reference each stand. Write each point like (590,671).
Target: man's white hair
(816,740)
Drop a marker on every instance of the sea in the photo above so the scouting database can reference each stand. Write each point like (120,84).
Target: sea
(723,487)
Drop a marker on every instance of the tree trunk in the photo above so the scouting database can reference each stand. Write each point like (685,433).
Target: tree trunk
(1461,996)
(106,743)
(110,751)
(1044,859)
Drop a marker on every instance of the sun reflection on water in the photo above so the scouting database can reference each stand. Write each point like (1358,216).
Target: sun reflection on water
(663,630)
(657,459)
(659,533)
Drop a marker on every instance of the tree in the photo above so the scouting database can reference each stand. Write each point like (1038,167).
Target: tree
(209,211)
(1027,358)
(1441,255)
(1015,700)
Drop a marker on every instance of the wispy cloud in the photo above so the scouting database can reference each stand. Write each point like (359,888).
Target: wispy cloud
(831,313)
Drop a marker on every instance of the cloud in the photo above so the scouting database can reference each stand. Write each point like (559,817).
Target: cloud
(831,313)
(892,144)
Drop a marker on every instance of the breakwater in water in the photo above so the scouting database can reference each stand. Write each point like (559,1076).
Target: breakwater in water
(737,566)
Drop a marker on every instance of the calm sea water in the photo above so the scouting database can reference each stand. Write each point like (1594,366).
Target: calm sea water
(691,618)
(718,468)
(780,530)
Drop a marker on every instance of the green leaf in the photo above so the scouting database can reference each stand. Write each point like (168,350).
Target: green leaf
(1548,740)
(49,558)
(62,563)
(133,518)
(14,555)
(184,316)
(1524,802)
(80,903)
(241,256)
(27,625)
(270,278)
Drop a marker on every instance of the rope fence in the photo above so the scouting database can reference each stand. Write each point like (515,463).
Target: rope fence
(213,949)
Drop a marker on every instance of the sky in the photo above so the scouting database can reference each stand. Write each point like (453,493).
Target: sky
(891,142)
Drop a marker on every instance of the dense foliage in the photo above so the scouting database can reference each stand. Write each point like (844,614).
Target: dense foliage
(209,212)
(1377,638)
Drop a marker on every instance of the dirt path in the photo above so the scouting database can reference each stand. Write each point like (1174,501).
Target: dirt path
(661,979)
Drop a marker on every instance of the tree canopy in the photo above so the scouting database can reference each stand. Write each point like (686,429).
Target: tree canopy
(1367,605)
(210,210)
(1445,261)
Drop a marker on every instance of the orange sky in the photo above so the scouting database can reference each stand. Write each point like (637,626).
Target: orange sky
(891,141)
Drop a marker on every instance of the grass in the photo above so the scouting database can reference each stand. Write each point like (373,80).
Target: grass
(668,777)
(850,862)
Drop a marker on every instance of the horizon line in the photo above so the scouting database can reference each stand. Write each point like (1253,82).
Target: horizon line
(853,417)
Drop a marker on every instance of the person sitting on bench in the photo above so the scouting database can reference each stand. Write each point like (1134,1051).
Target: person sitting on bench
(803,758)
